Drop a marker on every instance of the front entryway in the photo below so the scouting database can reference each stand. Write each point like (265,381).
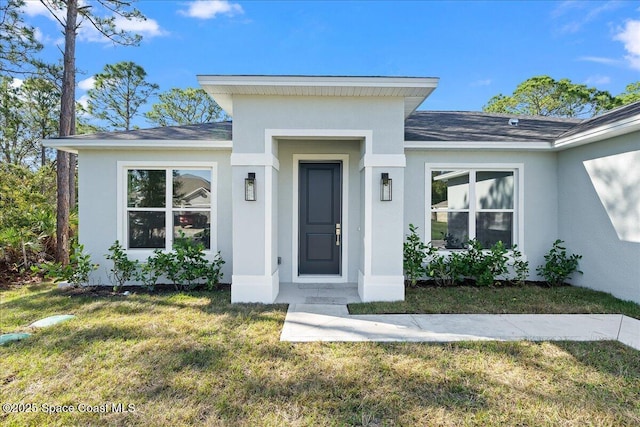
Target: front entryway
(320,213)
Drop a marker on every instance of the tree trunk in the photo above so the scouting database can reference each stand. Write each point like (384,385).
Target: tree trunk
(67,127)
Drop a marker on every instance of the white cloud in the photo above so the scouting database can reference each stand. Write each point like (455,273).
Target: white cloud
(35,8)
(87,32)
(145,27)
(87,84)
(598,80)
(600,60)
(207,9)
(84,101)
(16,83)
(630,36)
(578,14)
(481,82)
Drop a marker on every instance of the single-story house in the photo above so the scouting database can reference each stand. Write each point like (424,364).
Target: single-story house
(317,179)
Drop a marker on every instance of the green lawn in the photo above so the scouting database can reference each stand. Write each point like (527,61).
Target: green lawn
(195,359)
(499,300)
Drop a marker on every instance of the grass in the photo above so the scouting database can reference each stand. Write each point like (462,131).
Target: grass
(498,300)
(195,359)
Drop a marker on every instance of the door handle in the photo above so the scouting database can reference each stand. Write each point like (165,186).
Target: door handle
(338,233)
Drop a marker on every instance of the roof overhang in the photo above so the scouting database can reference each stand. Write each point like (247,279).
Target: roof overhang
(610,130)
(73,145)
(414,90)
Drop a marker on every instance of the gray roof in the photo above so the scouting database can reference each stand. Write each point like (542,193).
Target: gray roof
(419,126)
(479,126)
(607,118)
(218,131)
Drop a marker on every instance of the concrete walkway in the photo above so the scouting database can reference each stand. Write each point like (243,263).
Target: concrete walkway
(330,322)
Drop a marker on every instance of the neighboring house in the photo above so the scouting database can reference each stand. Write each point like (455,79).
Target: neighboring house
(319,155)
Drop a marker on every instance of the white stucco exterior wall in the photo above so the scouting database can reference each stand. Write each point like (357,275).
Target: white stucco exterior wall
(261,123)
(611,260)
(98,201)
(539,174)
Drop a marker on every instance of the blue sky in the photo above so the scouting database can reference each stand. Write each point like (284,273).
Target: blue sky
(477,48)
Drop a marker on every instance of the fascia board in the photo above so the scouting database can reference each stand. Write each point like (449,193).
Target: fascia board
(73,145)
(622,127)
(318,81)
(478,145)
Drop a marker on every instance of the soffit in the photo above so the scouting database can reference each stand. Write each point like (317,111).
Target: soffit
(414,90)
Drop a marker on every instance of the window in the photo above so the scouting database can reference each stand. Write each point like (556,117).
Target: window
(163,203)
(468,203)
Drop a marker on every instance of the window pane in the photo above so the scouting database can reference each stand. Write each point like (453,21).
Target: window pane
(194,225)
(450,190)
(147,230)
(146,188)
(449,230)
(192,188)
(494,190)
(492,227)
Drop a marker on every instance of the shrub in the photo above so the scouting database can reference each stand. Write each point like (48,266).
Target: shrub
(447,270)
(76,272)
(123,268)
(520,266)
(486,267)
(186,266)
(414,254)
(558,266)
(27,217)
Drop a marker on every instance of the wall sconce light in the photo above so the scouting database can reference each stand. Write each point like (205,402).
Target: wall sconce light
(250,187)
(385,187)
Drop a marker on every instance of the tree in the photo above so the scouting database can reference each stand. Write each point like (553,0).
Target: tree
(41,110)
(18,42)
(66,13)
(544,96)
(119,92)
(184,107)
(28,113)
(15,145)
(631,94)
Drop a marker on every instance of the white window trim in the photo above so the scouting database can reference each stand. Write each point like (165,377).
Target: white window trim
(122,232)
(518,218)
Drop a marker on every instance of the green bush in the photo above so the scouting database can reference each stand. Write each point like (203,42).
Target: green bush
(186,266)
(27,217)
(447,270)
(487,267)
(123,268)
(414,254)
(559,266)
(76,273)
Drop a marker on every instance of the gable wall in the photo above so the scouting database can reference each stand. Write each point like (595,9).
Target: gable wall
(611,258)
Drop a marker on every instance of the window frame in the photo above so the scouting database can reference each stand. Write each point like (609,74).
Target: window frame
(473,168)
(123,209)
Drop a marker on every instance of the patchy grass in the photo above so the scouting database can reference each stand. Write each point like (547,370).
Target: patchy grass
(195,359)
(499,300)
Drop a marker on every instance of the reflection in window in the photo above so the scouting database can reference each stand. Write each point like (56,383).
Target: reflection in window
(188,193)
(146,188)
(193,225)
(147,230)
(468,204)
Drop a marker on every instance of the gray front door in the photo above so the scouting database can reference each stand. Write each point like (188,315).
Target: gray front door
(320,214)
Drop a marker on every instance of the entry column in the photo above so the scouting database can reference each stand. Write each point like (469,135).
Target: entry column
(255,279)
(381,277)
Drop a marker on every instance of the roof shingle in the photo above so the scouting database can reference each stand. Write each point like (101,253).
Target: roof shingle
(479,126)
